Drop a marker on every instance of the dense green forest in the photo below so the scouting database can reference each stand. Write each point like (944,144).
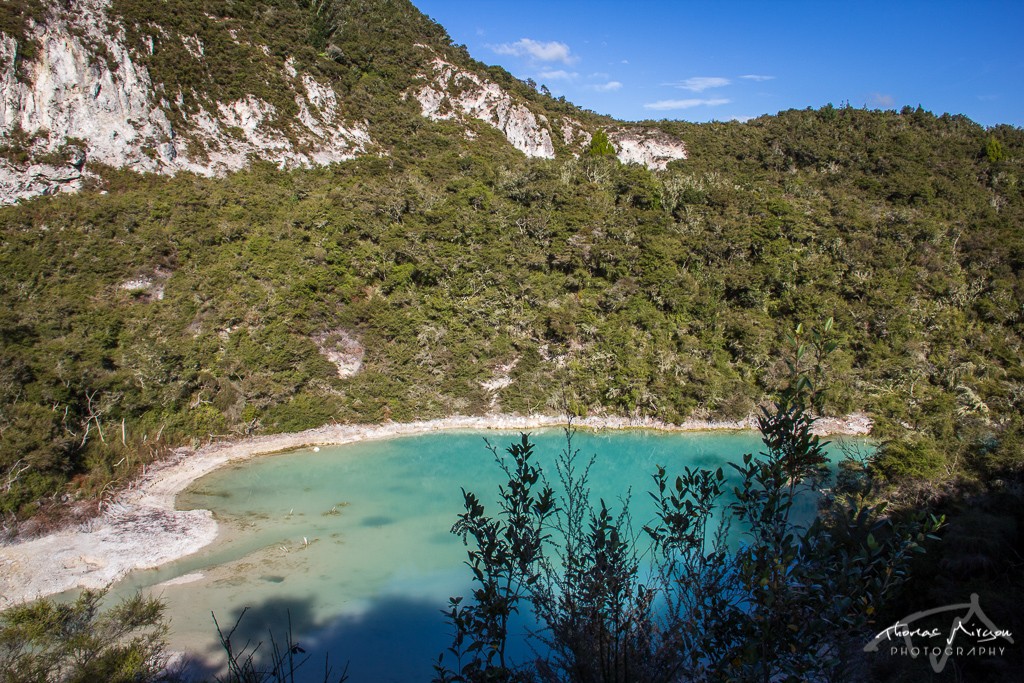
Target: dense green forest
(604,287)
(149,312)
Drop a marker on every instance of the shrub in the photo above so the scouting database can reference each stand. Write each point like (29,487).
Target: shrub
(79,642)
(914,457)
(600,145)
(782,605)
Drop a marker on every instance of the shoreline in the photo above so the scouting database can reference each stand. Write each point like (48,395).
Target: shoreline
(141,529)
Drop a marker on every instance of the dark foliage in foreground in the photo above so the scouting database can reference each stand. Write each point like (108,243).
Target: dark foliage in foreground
(276,664)
(791,602)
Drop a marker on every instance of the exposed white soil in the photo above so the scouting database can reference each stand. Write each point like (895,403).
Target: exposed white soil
(343,350)
(143,530)
(86,85)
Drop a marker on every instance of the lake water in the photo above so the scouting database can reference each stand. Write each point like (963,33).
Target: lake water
(353,541)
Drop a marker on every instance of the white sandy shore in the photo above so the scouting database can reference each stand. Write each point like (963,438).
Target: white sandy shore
(143,530)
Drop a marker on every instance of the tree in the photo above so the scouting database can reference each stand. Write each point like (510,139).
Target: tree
(600,145)
(994,150)
(505,559)
(784,602)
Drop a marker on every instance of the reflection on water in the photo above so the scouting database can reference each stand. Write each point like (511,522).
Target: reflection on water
(353,543)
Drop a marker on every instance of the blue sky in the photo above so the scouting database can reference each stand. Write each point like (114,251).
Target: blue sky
(702,61)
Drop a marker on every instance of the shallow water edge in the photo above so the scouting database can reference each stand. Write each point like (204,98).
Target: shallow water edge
(143,530)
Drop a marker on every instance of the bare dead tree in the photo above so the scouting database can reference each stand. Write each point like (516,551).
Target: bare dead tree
(14,473)
(93,417)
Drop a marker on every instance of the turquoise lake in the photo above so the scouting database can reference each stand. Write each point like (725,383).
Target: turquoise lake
(353,541)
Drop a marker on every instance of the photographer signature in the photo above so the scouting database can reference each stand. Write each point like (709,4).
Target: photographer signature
(938,656)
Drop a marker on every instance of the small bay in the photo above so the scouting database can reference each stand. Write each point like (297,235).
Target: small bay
(352,542)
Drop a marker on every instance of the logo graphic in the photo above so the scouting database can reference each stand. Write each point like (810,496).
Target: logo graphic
(972,634)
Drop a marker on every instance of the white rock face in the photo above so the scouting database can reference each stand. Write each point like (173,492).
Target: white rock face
(573,133)
(37,179)
(83,83)
(451,93)
(71,94)
(69,90)
(651,148)
(342,349)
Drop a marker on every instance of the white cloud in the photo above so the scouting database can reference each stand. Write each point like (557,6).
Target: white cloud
(610,86)
(663,105)
(741,119)
(881,100)
(552,51)
(702,83)
(758,78)
(557,75)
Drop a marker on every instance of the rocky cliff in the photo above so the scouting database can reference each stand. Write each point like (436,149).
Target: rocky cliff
(84,97)
(77,89)
(450,93)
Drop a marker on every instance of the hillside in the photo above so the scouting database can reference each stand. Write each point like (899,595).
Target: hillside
(284,214)
(467,259)
(205,87)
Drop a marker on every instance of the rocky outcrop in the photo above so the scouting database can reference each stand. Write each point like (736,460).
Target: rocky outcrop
(651,148)
(342,349)
(452,93)
(36,179)
(573,133)
(83,83)
(85,95)
(633,145)
(66,91)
